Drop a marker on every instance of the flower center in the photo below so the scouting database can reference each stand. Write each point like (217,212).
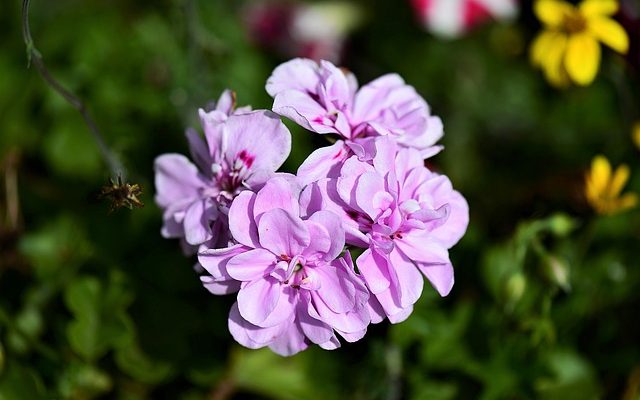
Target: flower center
(574,22)
(291,270)
(230,178)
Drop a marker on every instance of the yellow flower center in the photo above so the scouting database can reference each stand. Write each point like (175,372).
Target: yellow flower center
(574,22)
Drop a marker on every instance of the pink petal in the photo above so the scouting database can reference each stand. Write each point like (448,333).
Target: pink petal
(367,187)
(401,315)
(333,227)
(176,179)
(252,336)
(330,344)
(259,135)
(221,287)
(299,74)
(277,193)
(282,233)
(199,151)
(212,123)
(336,290)
(214,261)
(385,158)
(346,322)
(406,161)
(227,102)
(390,303)
(374,269)
(239,328)
(291,341)
(440,276)
(303,110)
(242,224)
(373,96)
(354,336)
(452,231)
(252,265)
(438,191)
(323,163)
(423,248)
(197,222)
(313,328)
(320,243)
(265,302)
(375,310)
(410,281)
(337,88)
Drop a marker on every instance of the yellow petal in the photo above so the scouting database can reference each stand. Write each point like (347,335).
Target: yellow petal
(610,33)
(627,201)
(600,174)
(552,60)
(552,12)
(598,7)
(620,178)
(590,190)
(583,58)
(540,47)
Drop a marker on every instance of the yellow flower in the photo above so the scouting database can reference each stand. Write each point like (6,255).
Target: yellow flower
(603,188)
(568,50)
(635,134)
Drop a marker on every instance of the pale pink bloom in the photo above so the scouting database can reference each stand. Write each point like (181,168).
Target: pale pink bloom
(406,217)
(325,99)
(241,149)
(295,287)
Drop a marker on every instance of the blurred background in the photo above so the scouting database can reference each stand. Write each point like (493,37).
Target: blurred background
(96,304)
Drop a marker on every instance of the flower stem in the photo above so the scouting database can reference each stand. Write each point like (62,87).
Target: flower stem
(34,56)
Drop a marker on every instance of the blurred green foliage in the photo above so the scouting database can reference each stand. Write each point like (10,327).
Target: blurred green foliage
(98,305)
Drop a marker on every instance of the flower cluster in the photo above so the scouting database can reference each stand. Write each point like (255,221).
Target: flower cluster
(283,242)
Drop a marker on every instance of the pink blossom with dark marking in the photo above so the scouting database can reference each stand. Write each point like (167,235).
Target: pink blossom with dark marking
(241,150)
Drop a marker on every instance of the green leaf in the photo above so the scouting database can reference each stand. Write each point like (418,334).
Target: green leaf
(100,322)
(19,382)
(30,323)
(81,381)
(60,244)
(571,377)
(72,151)
(266,373)
(134,362)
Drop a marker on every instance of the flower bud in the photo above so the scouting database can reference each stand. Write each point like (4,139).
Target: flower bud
(556,270)
(561,224)
(515,288)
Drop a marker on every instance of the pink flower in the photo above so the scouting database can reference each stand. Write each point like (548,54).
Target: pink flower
(241,150)
(295,288)
(453,18)
(406,217)
(325,99)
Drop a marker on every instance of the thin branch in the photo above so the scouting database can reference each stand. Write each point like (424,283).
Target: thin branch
(34,56)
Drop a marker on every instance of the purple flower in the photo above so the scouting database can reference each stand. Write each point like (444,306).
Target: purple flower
(406,217)
(325,99)
(295,287)
(241,150)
